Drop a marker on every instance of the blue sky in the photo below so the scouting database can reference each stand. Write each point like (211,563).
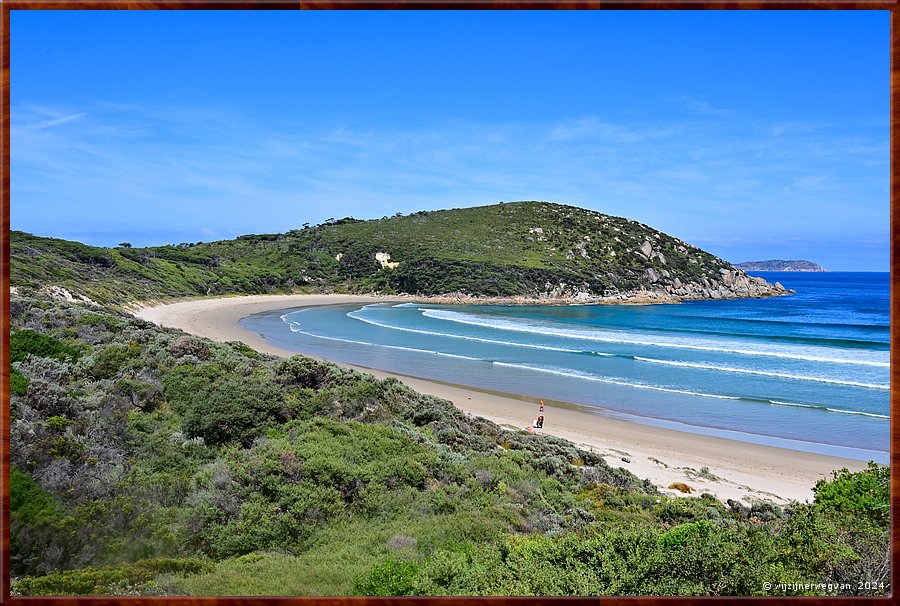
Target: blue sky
(752,134)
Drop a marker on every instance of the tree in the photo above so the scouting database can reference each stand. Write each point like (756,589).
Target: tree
(124,244)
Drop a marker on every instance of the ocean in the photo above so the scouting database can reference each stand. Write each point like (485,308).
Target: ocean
(809,371)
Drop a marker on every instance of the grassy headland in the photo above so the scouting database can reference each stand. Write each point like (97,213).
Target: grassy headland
(531,249)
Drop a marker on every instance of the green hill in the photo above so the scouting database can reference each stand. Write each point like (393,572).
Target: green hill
(530,249)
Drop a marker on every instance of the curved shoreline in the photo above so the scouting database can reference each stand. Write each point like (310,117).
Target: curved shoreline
(742,470)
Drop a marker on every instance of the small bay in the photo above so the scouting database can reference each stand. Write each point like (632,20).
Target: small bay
(809,371)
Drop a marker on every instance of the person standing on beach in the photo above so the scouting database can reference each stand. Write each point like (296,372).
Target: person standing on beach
(542,406)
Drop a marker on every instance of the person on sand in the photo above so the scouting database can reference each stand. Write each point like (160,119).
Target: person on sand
(540,421)
(542,406)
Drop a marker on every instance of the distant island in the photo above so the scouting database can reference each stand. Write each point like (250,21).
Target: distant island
(780,265)
(518,252)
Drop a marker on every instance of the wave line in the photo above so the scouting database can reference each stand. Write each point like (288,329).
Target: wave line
(469,338)
(587,377)
(450,316)
(295,328)
(763,373)
(826,408)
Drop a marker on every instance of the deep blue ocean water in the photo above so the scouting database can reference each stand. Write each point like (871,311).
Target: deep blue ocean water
(808,371)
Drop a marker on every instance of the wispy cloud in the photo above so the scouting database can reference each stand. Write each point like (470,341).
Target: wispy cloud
(797,127)
(592,127)
(52,122)
(810,182)
(209,172)
(700,106)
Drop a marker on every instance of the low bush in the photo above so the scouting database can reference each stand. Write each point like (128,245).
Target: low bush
(106,579)
(18,383)
(393,577)
(23,343)
(864,493)
(28,502)
(220,407)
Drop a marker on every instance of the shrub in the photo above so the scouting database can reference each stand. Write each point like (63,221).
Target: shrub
(92,319)
(691,532)
(260,525)
(108,361)
(105,579)
(678,510)
(18,383)
(145,396)
(188,346)
(401,541)
(23,343)
(303,372)
(244,349)
(231,411)
(28,502)
(865,493)
(221,407)
(393,577)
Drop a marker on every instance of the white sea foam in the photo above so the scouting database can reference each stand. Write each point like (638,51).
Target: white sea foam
(764,373)
(468,338)
(296,329)
(672,342)
(589,377)
(857,412)
(286,317)
(826,408)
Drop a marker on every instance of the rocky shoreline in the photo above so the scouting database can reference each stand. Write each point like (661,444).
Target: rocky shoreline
(733,284)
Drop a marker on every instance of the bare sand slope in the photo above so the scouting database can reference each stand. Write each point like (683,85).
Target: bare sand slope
(726,468)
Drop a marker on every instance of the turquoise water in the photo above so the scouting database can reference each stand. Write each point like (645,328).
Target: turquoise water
(808,371)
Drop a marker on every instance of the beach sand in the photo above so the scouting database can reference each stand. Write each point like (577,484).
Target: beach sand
(735,470)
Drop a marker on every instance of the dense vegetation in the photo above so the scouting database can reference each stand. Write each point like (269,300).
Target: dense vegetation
(522,248)
(145,461)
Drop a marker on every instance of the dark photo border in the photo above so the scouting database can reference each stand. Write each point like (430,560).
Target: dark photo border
(6,6)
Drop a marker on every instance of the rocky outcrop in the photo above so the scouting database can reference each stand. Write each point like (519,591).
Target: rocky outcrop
(733,284)
(730,283)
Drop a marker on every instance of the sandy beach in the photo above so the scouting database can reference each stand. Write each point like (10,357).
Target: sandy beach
(729,469)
